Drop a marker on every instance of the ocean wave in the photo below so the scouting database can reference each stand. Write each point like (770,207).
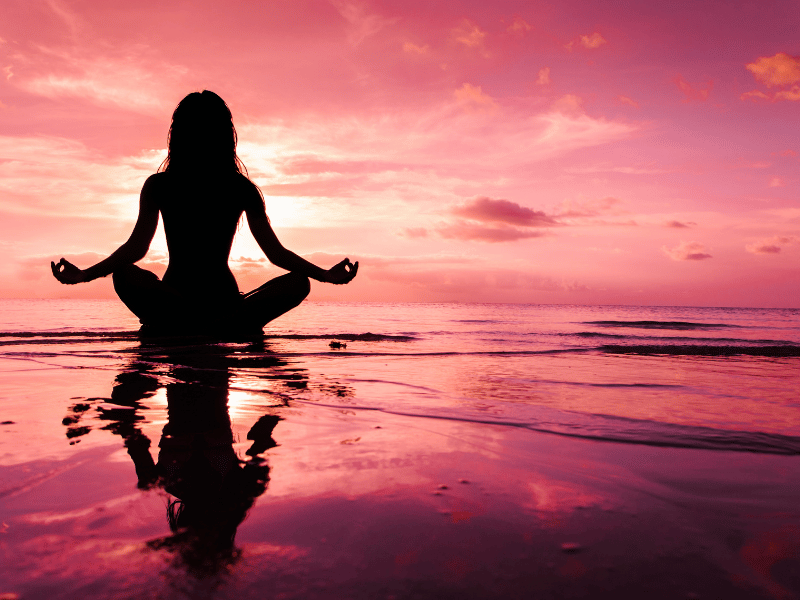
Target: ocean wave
(348,337)
(652,433)
(56,337)
(610,428)
(67,334)
(703,350)
(678,325)
(684,339)
(475,321)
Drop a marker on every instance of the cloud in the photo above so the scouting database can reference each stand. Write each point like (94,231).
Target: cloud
(412,48)
(462,230)
(132,78)
(607,168)
(793,95)
(414,232)
(591,41)
(61,177)
(680,225)
(332,187)
(777,182)
(594,40)
(503,211)
(300,164)
(472,282)
(778,70)
(519,26)
(69,18)
(362,24)
(544,76)
(754,95)
(436,138)
(472,95)
(568,104)
(687,251)
(628,101)
(489,220)
(468,34)
(772,245)
(590,208)
(693,93)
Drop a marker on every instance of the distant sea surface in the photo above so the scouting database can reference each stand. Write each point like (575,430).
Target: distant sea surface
(706,378)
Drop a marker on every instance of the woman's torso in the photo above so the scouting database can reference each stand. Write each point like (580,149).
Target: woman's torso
(200,216)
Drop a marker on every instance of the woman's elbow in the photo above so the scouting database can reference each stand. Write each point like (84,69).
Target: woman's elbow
(277,256)
(132,253)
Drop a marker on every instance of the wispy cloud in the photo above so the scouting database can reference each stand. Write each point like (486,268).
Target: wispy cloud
(473,96)
(61,177)
(544,76)
(488,220)
(362,22)
(414,232)
(772,245)
(519,26)
(687,251)
(680,224)
(696,92)
(503,211)
(413,48)
(132,79)
(468,34)
(571,208)
(589,41)
(467,231)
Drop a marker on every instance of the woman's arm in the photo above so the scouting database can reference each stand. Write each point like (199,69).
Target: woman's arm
(340,273)
(131,251)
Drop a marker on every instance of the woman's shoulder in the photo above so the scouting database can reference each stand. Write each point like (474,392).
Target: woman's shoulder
(152,188)
(155,182)
(249,192)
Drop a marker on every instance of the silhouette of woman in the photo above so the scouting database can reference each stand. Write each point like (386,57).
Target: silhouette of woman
(201,192)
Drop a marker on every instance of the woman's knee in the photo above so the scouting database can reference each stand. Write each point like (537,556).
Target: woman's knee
(134,286)
(132,275)
(302,285)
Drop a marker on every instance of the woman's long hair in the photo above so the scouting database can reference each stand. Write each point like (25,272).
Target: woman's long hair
(202,136)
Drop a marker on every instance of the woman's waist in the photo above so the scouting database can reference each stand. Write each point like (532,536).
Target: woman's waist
(199,275)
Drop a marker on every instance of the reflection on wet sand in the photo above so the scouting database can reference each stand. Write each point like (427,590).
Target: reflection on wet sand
(210,487)
(371,503)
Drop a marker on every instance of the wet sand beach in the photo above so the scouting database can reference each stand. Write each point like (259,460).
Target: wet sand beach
(293,484)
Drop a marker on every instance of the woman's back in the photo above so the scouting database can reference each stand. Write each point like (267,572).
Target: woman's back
(200,214)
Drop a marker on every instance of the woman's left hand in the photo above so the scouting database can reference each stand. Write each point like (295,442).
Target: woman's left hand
(342,272)
(66,272)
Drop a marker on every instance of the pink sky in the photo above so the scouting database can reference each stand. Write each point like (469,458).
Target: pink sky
(548,152)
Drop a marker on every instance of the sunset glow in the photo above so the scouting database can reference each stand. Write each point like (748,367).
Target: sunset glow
(544,152)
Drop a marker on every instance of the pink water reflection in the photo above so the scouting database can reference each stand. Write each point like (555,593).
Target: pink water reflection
(348,502)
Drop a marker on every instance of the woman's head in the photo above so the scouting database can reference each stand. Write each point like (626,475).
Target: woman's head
(202,135)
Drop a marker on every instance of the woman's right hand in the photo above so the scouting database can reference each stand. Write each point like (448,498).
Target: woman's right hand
(67,273)
(342,273)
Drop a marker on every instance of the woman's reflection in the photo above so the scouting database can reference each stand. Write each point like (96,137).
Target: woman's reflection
(197,464)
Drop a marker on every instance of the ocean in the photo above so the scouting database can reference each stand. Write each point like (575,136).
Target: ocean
(714,378)
(97,424)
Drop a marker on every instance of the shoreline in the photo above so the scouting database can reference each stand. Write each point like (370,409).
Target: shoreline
(365,505)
